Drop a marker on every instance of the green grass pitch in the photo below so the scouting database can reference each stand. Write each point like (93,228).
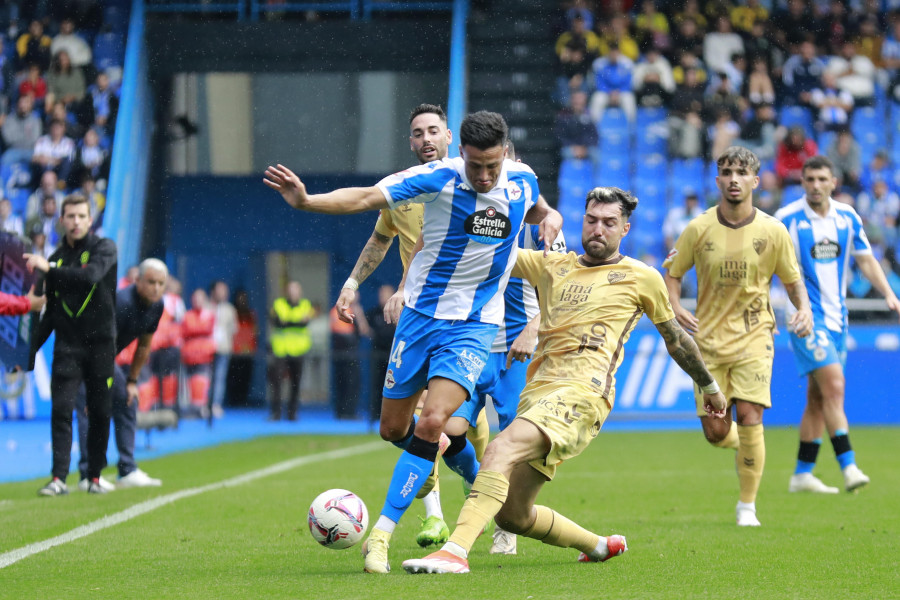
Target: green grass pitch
(671,494)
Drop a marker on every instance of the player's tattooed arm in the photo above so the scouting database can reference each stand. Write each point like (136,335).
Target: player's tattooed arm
(371,256)
(683,350)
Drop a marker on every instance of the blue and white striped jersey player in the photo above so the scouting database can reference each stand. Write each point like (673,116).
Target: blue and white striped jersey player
(825,234)
(503,378)
(475,207)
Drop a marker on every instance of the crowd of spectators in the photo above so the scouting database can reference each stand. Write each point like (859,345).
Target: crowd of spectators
(59,80)
(787,78)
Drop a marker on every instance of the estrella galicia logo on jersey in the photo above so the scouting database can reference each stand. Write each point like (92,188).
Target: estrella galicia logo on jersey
(759,245)
(825,250)
(514,191)
(488,226)
(615,276)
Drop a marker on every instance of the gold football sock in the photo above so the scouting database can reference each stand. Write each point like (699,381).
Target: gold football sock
(751,458)
(731,440)
(487,496)
(432,483)
(480,434)
(552,528)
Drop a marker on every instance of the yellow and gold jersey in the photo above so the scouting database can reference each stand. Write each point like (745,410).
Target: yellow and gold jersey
(734,264)
(587,314)
(405,221)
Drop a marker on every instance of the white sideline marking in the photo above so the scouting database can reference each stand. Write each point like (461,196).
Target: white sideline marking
(14,556)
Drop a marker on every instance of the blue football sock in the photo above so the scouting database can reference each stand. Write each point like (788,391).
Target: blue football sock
(846,459)
(409,476)
(463,463)
(842,449)
(806,456)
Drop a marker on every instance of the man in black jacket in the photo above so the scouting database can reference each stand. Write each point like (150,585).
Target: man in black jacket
(81,308)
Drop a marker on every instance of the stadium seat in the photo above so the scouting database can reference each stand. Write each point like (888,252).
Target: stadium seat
(651,166)
(613,171)
(116,18)
(652,138)
(824,140)
(686,173)
(791,193)
(648,116)
(109,50)
(870,130)
(649,191)
(15,175)
(614,119)
(18,198)
(797,115)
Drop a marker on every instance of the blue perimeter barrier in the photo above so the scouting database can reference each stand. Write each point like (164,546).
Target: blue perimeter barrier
(652,392)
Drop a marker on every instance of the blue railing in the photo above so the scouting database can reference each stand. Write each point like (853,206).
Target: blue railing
(127,192)
(253,9)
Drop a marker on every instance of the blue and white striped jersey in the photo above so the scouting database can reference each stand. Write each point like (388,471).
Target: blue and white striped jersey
(470,238)
(823,246)
(520,297)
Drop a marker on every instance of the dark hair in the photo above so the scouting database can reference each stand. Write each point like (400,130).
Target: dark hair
(428,108)
(483,130)
(72,200)
(610,195)
(818,162)
(739,155)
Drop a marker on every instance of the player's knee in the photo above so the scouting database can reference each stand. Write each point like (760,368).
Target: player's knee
(713,433)
(391,432)
(430,425)
(513,521)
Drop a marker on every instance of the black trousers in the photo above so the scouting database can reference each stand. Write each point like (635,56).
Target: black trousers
(92,365)
(293,366)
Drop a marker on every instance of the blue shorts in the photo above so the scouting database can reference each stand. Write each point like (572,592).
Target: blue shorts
(822,347)
(425,347)
(502,385)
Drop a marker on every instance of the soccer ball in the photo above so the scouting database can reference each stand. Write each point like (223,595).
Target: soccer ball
(338,519)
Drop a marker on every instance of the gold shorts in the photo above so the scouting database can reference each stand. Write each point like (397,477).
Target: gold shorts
(747,379)
(569,414)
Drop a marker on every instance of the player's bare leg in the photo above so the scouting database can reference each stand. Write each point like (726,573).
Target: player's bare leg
(812,424)
(721,433)
(825,409)
(506,487)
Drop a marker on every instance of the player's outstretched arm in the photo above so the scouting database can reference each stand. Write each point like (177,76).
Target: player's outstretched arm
(684,351)
(685,318)
(343,201)
(801,321)
(549,220)
(872,271)
(371,256)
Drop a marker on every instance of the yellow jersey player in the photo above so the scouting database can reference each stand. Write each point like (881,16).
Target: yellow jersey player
(735,250)
(589,306)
